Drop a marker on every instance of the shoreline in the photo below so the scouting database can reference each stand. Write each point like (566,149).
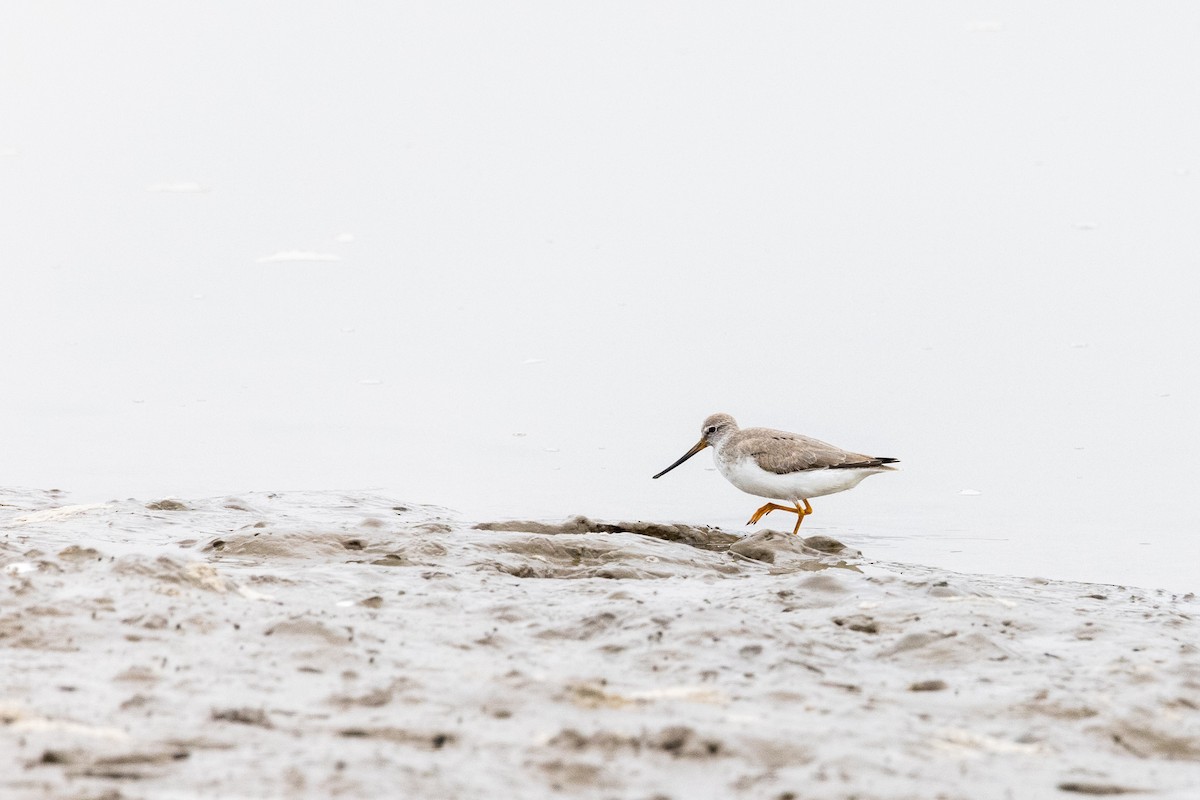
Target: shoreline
(337,644)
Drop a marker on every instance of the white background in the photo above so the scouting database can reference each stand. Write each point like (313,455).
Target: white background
(961,234)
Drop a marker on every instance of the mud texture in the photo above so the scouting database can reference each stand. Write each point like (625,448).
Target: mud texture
(320,644)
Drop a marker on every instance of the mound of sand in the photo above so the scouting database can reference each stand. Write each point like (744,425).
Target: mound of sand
(340,645)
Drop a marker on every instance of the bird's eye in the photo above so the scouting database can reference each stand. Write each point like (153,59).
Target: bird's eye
(711,429)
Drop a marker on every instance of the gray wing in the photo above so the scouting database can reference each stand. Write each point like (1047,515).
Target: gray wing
(782,452)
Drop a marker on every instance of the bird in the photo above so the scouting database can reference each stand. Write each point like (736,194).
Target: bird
(779,465)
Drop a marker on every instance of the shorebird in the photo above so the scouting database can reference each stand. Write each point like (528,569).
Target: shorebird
(779,465)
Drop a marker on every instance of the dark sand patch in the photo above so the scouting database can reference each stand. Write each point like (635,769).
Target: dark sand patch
(703,537)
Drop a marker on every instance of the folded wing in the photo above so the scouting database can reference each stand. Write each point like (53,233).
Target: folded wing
(782,452)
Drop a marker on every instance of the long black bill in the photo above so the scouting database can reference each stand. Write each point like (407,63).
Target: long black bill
(700,445)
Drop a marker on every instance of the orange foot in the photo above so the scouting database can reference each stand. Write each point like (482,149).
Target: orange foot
(800,512)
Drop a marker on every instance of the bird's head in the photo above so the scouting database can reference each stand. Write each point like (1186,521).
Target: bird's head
(717,428)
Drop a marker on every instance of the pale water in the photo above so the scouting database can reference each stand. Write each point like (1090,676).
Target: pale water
(507,260)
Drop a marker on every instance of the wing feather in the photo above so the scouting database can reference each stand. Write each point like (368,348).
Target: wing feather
(781,452)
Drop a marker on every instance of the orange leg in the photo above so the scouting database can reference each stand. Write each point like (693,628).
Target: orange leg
(801,513)
(767,509)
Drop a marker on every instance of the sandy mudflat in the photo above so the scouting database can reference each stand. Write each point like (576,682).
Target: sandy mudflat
(317,645)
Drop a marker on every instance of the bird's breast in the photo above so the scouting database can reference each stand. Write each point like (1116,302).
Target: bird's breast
(745,474)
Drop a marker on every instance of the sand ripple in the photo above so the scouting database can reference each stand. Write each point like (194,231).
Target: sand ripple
(329,644)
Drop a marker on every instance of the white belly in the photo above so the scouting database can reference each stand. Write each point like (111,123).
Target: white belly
(746,475)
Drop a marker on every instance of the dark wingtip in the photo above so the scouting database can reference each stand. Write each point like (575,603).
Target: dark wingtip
(874,462)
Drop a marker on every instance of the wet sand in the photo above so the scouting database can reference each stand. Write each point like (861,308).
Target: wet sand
(324,644)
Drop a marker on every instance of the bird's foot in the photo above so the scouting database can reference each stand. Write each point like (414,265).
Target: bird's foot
(767,509)
(800,513)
